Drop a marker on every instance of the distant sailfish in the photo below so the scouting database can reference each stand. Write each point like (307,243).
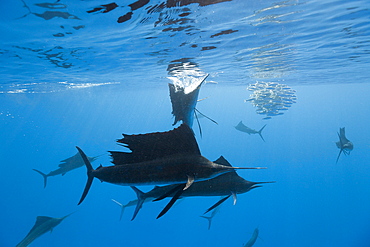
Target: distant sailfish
(171,157)
(42,225)
(253,239)
(241,127)
(66,165)
(343,144)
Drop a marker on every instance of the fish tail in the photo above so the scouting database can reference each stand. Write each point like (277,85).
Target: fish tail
(341,150)
(209,218)
(90,176)
(260,132)
(44,175)
(122,208)
(140,200)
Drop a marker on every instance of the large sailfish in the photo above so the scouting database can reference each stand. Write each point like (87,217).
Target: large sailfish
(171,157)
(225,185)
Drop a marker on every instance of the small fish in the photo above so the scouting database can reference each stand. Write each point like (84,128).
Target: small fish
(66,165)
(253,239)
(343,144)
(171,157)
(42,225)
(241,127)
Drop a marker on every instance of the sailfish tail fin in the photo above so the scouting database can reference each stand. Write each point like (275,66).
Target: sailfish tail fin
(209,218)
(122,208)
(44,176)
(260,132)
(341,150)
(140,200)
(90,176)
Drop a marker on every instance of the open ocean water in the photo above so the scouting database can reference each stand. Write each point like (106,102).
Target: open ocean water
(81,73)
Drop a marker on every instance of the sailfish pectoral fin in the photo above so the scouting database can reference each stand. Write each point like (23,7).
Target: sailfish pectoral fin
(218,203)
(234,197)
(169,192)
(190,182)
(173,200)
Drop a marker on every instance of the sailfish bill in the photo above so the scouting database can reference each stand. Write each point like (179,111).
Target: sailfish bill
(172,201)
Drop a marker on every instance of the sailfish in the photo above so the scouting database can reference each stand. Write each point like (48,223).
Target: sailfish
(225,185)
(184,101)
(42,225)
(243,128)
(343,144)
(171,157)
(65,166)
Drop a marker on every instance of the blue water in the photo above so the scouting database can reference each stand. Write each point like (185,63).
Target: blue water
(74,75)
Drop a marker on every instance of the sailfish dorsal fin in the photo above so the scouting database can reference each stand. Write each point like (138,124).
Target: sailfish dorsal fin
(222,161)
(145,147)
(39,221)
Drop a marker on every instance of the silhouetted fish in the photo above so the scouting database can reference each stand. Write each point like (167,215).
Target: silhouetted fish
(42,225)
(226,184)
(171,157)
(253,239)
(343,144)
(241,127)
(184,102)
(66,165)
